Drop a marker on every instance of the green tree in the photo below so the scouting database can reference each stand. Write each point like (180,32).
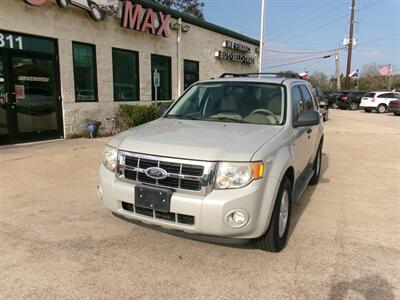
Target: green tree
(319,79)
(191,7)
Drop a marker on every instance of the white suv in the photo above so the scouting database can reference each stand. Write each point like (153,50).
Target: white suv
(378,101)
(227,159)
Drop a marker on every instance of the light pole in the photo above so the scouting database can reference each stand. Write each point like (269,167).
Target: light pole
(262,36)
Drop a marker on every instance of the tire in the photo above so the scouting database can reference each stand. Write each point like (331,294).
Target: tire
(63,3)
(382,108)
(397,113)
(96,13)
(367,110)
(275,239)
(317,166)
(353,106)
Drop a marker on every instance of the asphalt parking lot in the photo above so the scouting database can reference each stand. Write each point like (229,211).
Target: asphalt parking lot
(57,241)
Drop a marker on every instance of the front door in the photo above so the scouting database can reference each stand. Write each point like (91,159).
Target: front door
(29,97)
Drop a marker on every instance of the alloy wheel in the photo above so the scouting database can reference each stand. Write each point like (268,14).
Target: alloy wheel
(283,213)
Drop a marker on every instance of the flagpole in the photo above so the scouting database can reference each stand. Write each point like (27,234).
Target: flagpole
(260,69)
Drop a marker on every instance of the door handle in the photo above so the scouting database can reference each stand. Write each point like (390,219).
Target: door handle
(309,130)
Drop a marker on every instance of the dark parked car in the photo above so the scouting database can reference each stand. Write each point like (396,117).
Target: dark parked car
(323,103)
(333,97)
(394,107)
(350,100)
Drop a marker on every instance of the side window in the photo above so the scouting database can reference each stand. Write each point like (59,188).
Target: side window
(297,103)
(387,95)
(396,95)
(308,101)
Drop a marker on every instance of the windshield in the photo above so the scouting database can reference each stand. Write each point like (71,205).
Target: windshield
(254,103)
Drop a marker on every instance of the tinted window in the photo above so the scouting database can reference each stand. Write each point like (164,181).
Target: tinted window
(255,103)
(308,101)
(190,73)
(84,56)
(125,75)
(163,66)
(297,103)
(387,95)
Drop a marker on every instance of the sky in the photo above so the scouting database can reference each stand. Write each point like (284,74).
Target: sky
(312,26)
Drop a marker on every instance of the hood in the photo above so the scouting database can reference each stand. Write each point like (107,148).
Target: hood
(198,140)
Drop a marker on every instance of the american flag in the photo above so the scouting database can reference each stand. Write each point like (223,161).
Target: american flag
(385,70)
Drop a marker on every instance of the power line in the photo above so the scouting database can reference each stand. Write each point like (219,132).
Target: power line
(306,52)
(300,61)
(303,18)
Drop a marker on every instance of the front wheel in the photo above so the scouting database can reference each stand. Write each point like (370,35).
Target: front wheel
(96,13)
(275,239)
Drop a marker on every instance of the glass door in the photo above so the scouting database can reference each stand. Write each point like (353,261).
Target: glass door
(33,97)
(5,129)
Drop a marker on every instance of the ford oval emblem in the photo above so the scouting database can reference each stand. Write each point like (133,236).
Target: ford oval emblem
(156,173)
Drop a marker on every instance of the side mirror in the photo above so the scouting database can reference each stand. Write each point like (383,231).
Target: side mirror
(308,118)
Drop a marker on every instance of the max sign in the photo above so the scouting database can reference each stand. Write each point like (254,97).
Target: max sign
(135,17)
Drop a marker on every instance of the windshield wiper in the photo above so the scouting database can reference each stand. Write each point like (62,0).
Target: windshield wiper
(183,117)
(226,119)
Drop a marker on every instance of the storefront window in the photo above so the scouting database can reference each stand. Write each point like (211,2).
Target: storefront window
(85,72)
(191,72)
(163,66)
(126,75)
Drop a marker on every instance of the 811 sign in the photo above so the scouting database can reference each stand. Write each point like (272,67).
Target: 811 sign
(10,41)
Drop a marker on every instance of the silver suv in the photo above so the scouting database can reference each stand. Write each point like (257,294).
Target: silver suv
(227,159)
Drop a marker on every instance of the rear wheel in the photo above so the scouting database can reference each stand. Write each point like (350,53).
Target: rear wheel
(63,3)
(382,108)
(353,106)
(275,239)
(367,110)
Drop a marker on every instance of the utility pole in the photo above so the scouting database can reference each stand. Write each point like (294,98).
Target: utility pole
(260,69)
(338,77)
(350,46)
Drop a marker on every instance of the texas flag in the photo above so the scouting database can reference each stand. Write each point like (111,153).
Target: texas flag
(354,74)
(385,70)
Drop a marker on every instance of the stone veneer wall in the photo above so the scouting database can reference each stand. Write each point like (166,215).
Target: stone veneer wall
(74,24)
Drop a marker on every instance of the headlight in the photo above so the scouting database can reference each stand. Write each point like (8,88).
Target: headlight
(231,175)
(110,158)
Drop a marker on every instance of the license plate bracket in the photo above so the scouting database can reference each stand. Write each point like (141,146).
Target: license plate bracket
(153,198)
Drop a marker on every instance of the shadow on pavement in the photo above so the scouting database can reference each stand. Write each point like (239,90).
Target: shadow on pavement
(370,287)
(301,204)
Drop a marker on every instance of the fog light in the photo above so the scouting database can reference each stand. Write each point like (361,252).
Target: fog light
(237,218)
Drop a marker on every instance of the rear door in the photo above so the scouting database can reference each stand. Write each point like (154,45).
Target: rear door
(312,131)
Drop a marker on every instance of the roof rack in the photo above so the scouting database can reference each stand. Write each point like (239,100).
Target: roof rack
(224,75)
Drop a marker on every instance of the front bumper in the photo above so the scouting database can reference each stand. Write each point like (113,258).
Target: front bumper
(209,212)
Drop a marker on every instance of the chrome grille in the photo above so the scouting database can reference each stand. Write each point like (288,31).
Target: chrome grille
(185,175)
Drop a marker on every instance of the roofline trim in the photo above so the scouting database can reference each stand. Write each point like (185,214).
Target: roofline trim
(195,21)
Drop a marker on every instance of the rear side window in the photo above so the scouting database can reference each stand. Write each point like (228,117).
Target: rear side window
(308,102)
(387,95)
(369,95)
